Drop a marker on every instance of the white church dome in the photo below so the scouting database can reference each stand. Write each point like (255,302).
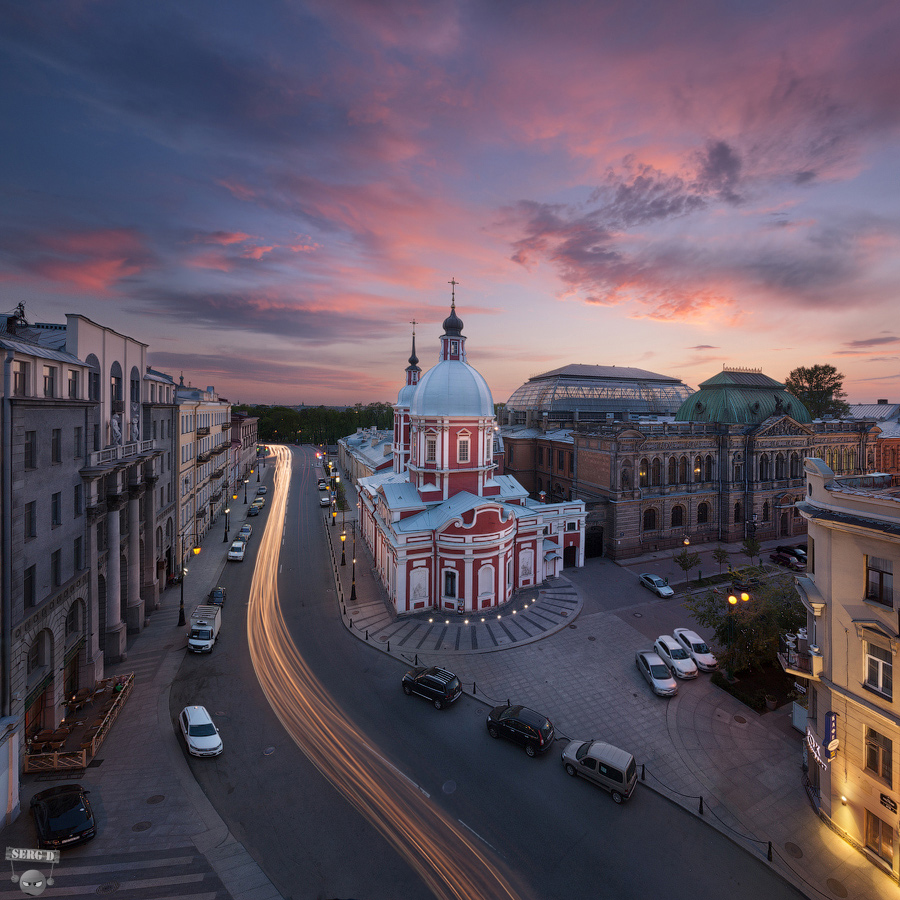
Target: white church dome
(452,388)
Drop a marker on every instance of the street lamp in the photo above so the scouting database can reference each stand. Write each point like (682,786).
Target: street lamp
(353,575)
(245,488)
(732,603)
(196,551)
(343,556)
(227,510)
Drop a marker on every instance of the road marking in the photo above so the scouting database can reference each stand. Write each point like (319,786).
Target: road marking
(480,838)
(401,774)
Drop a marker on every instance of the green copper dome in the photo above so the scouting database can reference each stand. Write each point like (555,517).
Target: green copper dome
(741,397)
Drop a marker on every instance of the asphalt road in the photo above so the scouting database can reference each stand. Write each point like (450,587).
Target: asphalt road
(552,836)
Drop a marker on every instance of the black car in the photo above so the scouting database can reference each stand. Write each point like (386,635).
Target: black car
(217,596)
(63,817)
(522,726)
(253,511)
(796,552)
(438,685)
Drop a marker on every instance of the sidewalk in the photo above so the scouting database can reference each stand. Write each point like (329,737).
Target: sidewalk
(703,743)
(158,834)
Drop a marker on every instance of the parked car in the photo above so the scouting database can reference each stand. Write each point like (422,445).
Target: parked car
(675,657)
(324,500)
(245,532)
(254,510)
(697,649)
(796,552)
(323,484)
(200,732)
(63,817)
(654,583)
(790,562)
(217,596)
(656,672)
(236,552)
(522,726)
(259,502)
(262,489)
(609,767)
(435,684)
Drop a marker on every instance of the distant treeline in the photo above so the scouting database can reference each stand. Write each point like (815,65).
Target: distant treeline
(317,424)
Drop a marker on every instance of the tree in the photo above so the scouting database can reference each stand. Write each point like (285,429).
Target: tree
(820,388)
(751,548)
(748,630)
(687,561)
(720,555)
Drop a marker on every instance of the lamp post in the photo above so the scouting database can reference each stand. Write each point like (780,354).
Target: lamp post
(227,510)
(353,572)
(732,603)
(343,555)
(196,550)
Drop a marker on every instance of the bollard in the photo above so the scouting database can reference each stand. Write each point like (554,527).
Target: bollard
(351,623)
(643,772)
(388,646)
(701,806)
(416,660)
(474,688)
(367,634)
(769,854)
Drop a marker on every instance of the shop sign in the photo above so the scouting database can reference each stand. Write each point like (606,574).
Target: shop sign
(815,748)
(799,688)
(831,740)
(888,803)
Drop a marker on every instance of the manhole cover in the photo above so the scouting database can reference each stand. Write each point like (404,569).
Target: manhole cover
(449,787)
(268,751)
(793,850)
(740,720)
(573,626)
(382,638)
(156,798)
(142,826)
(836,887)
(638,615)
(110,887)
(591,637)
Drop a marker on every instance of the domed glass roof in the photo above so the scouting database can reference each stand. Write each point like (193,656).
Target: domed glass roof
(596,392)
(452,388)
(741,396)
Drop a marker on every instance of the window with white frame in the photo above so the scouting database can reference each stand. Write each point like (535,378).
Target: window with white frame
(73,384)
(449,583)
(879,837)
(879,669)
(462,448)
(430,449)
(880,581)
(49,381)
(20,377)
(879,755)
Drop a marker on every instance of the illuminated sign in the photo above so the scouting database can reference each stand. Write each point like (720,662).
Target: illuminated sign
(824,753)
(815,749)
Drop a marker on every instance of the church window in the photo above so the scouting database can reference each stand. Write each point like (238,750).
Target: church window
(766,512)
(795,465)
(454,347)
(463,450)
(430,449)
(649,520)
(738,513)
(702,513)
(779,466)
(672,470)
(698,469)
(677,516)
(709,468)
(642,473)
(683,470)
(449,584)
(656,474)
(764,468)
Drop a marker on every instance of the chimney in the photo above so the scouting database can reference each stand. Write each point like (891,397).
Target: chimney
(881,402)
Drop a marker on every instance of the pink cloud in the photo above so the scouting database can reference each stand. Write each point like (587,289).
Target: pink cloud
(93,275)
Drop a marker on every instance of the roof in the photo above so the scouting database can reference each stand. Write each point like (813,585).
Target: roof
(19,346)
(452,388)
(741,397)
(877,411)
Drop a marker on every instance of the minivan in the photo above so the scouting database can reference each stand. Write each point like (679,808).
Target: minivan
(609,767)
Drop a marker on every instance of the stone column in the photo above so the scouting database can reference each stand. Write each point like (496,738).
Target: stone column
(150,575)
(93,655)
(115,627)
(134,611)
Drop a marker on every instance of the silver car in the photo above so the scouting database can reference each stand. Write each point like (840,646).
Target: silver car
(654,583)
(656,672)
(200,733)
(675,657)
(697,649)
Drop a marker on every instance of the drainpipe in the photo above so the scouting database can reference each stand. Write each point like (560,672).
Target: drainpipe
(5,645)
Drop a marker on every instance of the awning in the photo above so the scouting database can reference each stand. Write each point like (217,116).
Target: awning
(550,554)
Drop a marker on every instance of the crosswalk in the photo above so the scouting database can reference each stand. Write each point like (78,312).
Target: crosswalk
(142,875)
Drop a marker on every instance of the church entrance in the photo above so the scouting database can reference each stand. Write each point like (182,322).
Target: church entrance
(570,557)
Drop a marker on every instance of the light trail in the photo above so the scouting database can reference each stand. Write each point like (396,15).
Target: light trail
(449,861)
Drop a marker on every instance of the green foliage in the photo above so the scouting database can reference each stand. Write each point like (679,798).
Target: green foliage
(751,547)
(820,388)
(749,631)
(687,561)
(720,555)
(317,424)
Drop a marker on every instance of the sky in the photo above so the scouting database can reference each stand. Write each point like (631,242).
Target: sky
(268,194)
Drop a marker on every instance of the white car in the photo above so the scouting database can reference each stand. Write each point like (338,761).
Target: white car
(656,672)
(200,733)
(697,649)
(236,552)
(262,489)
(324,500)
(658,585)
(675,657)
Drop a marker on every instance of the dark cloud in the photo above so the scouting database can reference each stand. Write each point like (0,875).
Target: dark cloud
(719,172)
(872,342)
(703,347)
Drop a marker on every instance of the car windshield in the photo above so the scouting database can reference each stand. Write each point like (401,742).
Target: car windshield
(582,750)
(678,652)
(206,729)
(631,771)
(65,812)
(201,634)
(700,648)
(659,671)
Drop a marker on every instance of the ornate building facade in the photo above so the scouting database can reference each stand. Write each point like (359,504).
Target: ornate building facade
(445,530)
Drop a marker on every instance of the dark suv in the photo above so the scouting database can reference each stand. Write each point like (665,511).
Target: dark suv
(438,685)
(217,596)
(522,726)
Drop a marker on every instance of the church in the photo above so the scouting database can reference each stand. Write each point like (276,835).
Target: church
(447,532)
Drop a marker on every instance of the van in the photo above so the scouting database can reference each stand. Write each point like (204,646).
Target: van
(609,767)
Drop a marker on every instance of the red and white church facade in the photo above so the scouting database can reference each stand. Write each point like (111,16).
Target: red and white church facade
(445,530)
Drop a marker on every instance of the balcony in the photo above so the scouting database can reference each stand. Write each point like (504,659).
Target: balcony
(203,457)
(117,406)
(226,426)
(203,431)
(799,659)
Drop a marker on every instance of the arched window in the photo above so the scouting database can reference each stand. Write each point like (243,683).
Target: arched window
(795,465)
(673,471)
(709,468)
(698,469)
(649,520)
(764,471)
(656,471)
(702,513)
(766,513)
(738,513)
(644,472)
(779,467)
(683,470)
(737,469)
(677,516)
